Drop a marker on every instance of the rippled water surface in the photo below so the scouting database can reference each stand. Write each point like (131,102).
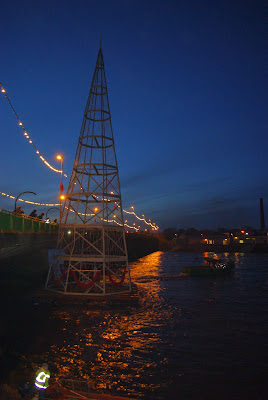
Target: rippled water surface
(181,337)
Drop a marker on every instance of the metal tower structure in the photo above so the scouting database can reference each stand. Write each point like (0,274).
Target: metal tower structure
(91,255)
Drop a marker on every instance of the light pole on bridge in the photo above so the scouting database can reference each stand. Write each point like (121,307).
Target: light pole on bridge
(19,196)
(62,197)
(56,208)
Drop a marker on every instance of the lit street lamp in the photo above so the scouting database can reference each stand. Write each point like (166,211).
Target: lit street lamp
(19,196)
(95,209)
(62,197)
(133,213)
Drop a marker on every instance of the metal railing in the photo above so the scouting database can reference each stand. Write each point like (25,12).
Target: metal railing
(15,223)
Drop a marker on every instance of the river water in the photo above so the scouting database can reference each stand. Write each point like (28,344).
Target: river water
(182,338)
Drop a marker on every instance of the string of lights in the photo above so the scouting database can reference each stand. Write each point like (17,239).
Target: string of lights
(142,219)
(27,136)
(154,227)
(29,202)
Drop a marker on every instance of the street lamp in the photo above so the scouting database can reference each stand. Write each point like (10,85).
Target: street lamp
(133,213)
(62,197)
(56,208)
(143,216)
(95,209)
(19,196)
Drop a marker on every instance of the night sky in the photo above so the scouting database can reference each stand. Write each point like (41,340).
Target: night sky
(188,97)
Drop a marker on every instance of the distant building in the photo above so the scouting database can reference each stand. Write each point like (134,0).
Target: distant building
(235,238)
(204,239)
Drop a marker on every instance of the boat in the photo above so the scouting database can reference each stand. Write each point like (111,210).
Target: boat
(211,267)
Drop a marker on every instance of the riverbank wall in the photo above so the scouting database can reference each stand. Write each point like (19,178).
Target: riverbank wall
(11,244)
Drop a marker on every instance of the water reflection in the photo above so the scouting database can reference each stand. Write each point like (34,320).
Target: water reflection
(115,348)
(174,333)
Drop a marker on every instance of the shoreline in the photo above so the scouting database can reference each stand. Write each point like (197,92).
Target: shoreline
(221,249)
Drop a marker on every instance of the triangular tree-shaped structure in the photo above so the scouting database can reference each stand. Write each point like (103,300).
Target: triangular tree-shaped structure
(91,255)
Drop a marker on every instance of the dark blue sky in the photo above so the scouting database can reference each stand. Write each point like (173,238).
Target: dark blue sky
(188,97)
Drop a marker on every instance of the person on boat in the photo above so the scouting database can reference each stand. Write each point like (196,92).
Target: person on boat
(42,380)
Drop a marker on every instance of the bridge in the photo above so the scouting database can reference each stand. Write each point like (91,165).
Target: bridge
(14,223)
(136,223)
(91,255)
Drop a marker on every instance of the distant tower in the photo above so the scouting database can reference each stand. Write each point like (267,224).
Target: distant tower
(91,256)
(262,215)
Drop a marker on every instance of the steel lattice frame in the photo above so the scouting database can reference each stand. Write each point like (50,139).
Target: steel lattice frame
(91,256)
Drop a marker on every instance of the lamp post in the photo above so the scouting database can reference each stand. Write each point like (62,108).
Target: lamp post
(60,157)
(62,197)
(95,209)
(19,196)
(133,214)
(56,208)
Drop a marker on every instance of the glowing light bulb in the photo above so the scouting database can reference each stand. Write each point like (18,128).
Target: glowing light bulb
(3,90)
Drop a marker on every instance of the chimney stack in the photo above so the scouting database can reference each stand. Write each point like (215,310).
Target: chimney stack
(262,215)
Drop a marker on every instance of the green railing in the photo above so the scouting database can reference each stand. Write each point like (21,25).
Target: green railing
(14,223)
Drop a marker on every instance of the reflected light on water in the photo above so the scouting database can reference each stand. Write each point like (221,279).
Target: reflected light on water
(113,347)
(177,334)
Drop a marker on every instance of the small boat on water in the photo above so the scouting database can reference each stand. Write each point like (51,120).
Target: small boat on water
(211,267)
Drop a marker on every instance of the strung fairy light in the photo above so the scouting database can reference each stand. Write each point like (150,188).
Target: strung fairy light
(142,219)
(83,214)
(29,202)
(26,134)
(153,225)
